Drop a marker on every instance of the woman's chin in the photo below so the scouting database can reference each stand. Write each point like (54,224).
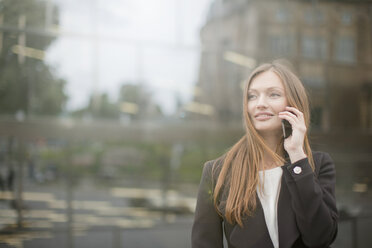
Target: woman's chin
(268,131)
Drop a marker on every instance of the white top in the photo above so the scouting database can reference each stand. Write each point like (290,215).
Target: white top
(269,200)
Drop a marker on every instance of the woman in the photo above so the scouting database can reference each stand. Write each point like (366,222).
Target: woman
(267,191)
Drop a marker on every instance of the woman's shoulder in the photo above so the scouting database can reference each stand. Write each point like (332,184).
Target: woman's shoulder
(322,160)
(217,161)
(213,165)
(320,155)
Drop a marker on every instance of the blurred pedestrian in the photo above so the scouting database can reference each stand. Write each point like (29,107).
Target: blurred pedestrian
(2,183)
(3,174)
(10,178)
(270,189)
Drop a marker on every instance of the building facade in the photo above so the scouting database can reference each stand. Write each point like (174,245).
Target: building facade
(329,44)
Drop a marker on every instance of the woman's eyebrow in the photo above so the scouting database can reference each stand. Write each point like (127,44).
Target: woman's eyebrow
(268,89)
(275,88)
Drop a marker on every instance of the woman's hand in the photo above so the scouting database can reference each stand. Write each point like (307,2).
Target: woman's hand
(294,143)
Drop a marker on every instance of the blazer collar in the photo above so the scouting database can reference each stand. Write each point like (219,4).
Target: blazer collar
(255,232)
(287,226)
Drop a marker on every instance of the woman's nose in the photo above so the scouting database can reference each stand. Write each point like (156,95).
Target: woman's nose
(261,102)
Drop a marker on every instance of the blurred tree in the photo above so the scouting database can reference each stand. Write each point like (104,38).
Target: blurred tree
(26,83)
(105,108)
(99,106)
(136,102)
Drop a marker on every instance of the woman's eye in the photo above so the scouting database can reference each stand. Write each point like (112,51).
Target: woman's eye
(251,97)
(274,94)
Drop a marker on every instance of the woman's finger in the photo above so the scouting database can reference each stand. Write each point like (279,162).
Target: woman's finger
(289,117)
(293,120)
(298,113)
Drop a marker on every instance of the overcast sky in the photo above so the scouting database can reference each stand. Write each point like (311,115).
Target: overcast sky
(156,42)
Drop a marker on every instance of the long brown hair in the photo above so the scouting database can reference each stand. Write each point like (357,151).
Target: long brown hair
(241,164)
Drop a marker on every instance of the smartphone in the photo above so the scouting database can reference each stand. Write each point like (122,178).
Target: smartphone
(287,129)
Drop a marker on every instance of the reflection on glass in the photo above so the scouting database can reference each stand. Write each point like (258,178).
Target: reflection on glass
(109,110)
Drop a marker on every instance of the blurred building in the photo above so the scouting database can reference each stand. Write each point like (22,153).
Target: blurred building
(328,42)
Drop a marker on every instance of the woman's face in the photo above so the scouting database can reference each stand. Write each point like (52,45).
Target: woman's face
(266,98)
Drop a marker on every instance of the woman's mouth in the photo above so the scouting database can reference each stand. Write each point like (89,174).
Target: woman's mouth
(263,117)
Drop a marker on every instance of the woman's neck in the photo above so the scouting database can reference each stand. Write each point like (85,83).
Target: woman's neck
(272,141)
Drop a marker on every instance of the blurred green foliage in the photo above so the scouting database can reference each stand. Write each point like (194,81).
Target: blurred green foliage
(30,85)
(120,161)
(136,94)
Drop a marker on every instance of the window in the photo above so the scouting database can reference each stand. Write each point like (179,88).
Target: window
(314,47)
(314,16)
(316,117)
(282,15)
(282,44)
(346,18)
(313,75)
(345,49)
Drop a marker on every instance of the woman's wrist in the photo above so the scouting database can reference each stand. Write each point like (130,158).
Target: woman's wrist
(295,156)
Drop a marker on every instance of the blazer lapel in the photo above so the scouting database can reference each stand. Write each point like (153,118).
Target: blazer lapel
(254,232)
(287,226)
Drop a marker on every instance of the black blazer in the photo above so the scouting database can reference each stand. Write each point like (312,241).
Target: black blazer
(307,213)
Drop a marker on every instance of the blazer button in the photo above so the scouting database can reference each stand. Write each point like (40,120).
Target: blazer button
(297,170)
